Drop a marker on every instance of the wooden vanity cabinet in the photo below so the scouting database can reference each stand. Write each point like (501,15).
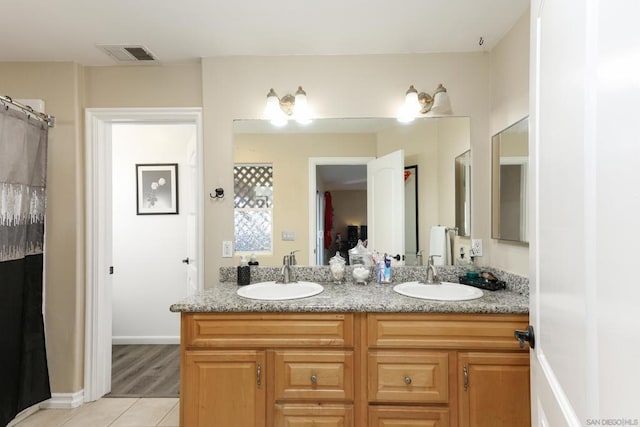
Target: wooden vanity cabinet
(353,370)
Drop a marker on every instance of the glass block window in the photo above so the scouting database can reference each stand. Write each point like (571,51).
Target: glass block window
(253,207)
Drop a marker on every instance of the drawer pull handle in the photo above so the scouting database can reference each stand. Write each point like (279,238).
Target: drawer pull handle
(259,375)
(407,380)
(465,371)
(314,379)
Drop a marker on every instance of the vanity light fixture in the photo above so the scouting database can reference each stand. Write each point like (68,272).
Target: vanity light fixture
(278,110)
(416,103)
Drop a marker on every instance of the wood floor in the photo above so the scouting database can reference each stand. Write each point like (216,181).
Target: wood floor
(145,371)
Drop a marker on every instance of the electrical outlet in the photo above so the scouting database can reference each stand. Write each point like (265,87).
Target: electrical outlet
(476,247)
(227,249)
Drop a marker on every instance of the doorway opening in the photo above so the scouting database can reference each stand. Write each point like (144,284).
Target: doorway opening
(341,177)
(121,243)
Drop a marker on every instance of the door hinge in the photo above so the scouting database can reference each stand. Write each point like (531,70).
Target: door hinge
(111,269)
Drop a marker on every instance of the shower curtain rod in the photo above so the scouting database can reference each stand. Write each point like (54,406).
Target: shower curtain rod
(47,118)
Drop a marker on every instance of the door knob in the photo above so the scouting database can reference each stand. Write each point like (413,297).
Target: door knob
(527,335)
(186,260)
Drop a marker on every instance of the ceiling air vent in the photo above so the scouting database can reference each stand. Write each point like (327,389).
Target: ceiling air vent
(128,54)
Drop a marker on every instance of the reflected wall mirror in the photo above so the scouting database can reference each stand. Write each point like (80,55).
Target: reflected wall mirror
(510,169)
(281,211)
(463,193)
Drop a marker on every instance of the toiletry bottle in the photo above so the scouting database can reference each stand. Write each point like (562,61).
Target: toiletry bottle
(387,269)
(244,272)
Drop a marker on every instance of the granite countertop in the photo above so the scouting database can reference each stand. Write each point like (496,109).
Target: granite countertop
(370,298)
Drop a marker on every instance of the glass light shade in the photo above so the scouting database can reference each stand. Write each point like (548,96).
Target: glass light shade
(411,102)
(441,104)
(301,110)
(272,108)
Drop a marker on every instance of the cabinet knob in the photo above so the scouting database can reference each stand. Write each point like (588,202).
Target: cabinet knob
(314,379)
(407,380)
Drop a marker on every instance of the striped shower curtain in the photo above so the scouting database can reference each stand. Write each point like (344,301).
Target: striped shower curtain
(24,377)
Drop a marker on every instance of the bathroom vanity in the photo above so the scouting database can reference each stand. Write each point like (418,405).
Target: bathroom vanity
(353,356)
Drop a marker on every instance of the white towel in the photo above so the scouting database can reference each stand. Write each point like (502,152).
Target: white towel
(438,245)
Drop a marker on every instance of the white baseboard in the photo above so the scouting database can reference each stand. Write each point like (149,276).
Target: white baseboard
(124,340)
(64,400)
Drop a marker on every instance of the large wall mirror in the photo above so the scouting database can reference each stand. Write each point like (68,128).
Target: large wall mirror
(510,169)
(275,208)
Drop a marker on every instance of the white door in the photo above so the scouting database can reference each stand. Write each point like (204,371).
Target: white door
(385,204)
(319,229)
(191,205)
(584,129)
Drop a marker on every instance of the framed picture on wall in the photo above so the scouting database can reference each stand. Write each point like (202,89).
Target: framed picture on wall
(157,189)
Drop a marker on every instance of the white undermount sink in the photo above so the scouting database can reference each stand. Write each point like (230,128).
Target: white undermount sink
(444,291)
(272,291)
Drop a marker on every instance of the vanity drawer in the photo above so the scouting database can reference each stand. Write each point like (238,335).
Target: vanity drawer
(313,375)
(411,377)
(267,330)
(387,416)
(451,331)
(310,415)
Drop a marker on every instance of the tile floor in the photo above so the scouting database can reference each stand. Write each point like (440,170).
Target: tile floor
(115,412)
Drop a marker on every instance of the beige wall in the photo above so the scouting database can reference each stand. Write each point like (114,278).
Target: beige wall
(144,86)
(509,103)
(60,86)
(289,154)
(360,86)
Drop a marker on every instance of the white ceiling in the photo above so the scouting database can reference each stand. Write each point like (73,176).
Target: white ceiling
(183,31)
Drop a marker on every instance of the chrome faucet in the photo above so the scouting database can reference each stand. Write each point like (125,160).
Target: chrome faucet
(432,275)
(286,275)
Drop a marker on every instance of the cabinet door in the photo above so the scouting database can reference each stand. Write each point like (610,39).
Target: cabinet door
(223,388)
(408,416)
(494,390)
(310,415)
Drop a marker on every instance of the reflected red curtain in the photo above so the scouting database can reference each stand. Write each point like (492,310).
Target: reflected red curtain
(328,219)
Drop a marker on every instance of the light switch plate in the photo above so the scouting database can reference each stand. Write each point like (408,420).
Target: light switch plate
(476,247)
(289,235)
(227,249)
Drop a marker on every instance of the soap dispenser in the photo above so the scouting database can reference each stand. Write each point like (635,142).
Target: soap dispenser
(244,272)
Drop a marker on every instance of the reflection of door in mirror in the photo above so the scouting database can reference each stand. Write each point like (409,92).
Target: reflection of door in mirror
(509,186)
(463,193)
(385,203)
